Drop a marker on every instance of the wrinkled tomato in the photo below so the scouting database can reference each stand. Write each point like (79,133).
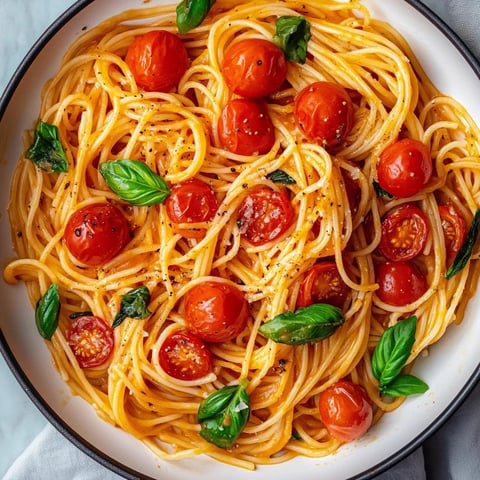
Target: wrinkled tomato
(404,233)
(96,233)
(158,59)
(215,311)
(192,201)
(346,410)
(322,284)
(185,357)
(324,113)
(404,168)
(454,228)
(91,340)
(400,283)
(254,67)
(245,127)
(264,215)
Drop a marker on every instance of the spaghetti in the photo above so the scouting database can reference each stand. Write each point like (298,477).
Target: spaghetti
(102,115)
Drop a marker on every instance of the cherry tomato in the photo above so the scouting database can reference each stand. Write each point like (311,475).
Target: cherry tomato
(264,215)
(322,284)
(91,340)
(192,201)
(185,357)
(245,127)
(96,233)
(324,113)
(454,229)
(354,191)
(254,68)
(404,233)
(158,59)
(346,410)
(404,168)
(215,311)
(400,283)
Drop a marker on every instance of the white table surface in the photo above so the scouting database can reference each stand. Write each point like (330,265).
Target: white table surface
(21,23)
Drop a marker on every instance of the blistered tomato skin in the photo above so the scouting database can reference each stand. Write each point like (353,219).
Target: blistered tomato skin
(254,68)
(158,59)
(215,311)
(96,233)
(346,410)
(324,113)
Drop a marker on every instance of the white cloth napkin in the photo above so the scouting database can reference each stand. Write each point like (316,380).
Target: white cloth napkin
(451,454)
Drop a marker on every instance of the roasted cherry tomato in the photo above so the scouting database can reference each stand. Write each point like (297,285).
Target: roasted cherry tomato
(185,357)
(264,215)
(454,229)
(346,410)
(215,311)
(324,113)
(404,168)
(158,59)
(322,284)
(192,201)
(254,68)
(91,340)
(245,127)
(400,283)
(96,233)
(404,233)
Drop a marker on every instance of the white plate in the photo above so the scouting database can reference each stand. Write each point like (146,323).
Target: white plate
(396,435)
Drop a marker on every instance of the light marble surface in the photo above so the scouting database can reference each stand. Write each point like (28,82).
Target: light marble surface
(21,23)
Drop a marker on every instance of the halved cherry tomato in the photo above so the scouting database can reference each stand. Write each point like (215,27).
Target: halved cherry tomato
(215,311)
(322,284)
(245,127)
(192,201)
(454,229)
(158,59)
(405,167)
(400,283)
(185,357)
(404,233)
(91,340)
(346,410)
(254,67)
(324,113)
(96,233)
(264,215)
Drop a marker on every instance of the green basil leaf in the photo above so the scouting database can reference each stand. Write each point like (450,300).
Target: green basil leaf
(393,350)
(191,13)
(47,311)
(292,35)
(380,191)
(305,325)
(133,305)
(404,385)
(75,315)
(466,250)
(47,152)
(279,176)
(134,182)
(224,414)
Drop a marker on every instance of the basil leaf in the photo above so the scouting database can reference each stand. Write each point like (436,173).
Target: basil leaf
(47,311)
(466,250)
(134,182)
(393,350)
(75,315)
(133,305)
(224,414)
(404,385)
(305,325)
(279,176)
(380,191)
(47,152)
(292,35)
(191,13)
